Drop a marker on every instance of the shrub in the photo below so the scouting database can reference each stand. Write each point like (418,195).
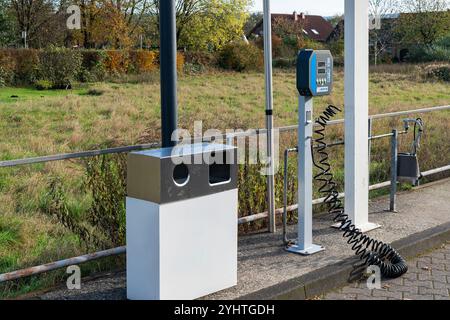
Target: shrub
(180,61)
(198,61)
(93,66)
(429,54)
(240,56)
(105,179)
(7,66)
(60,66)
(43,85)
(3,77)
(142,61)
(27,61)
(201,58)
(102,225)
(438,72)
(307,43)
(337,48)
(284,63)
(18,66)
(117,61)
(190,68)
(277,44)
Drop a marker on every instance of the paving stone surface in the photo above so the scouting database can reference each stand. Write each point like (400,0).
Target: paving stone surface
(428,278)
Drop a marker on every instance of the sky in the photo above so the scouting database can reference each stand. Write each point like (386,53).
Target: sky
(319,7)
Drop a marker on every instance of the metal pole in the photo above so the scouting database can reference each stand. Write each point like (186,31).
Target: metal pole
(304,245)
(269,113)
(394,155)
(285,182)
(370,142)
(369,147)
(168,58)
(285,191)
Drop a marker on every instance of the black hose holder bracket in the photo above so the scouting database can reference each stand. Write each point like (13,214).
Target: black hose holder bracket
(408,169)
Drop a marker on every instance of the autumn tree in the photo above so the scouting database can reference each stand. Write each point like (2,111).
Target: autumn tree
(132,13)
(185,11)
(424,21)
(220,22)
(111,23)
(207,24)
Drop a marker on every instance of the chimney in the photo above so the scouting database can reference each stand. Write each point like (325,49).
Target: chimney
(302,16)
(295,16)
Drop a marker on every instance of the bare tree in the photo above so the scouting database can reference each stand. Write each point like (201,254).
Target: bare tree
(380,11)
(132,10)
(32,15)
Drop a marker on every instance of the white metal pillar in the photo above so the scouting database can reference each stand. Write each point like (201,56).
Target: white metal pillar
(357,113)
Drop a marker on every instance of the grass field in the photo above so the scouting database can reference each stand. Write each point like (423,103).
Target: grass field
(41,123)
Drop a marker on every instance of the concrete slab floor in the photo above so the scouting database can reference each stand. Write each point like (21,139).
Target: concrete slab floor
(264,263)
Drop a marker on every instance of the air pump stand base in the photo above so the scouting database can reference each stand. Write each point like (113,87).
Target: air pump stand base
(305,252)
(364,228)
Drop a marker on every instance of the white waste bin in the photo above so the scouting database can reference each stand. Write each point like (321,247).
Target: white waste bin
(181,222)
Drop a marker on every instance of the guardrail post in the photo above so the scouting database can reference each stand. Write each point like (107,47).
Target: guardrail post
(370,138)
(394,156)
(285,188)
(370,143)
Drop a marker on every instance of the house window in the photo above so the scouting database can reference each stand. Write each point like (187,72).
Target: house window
(304,31)
(315,31)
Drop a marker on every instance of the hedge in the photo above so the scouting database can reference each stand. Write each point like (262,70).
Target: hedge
(240,56)
(18,66)
(61,66)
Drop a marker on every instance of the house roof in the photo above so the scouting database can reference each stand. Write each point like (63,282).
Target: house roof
(315,27)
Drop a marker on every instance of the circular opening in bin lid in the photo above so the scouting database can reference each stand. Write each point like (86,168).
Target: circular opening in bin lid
(181,175)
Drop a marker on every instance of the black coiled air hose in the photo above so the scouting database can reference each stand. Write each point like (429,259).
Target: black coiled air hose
(370,251)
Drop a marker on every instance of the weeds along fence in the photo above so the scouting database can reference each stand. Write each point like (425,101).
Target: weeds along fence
(103,226)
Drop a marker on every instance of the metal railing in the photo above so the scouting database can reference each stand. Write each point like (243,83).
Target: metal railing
(229,137)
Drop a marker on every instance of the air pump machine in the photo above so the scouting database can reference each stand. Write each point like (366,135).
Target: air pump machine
(314,78)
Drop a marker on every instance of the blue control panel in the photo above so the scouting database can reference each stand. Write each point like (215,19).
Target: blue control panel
(314,73)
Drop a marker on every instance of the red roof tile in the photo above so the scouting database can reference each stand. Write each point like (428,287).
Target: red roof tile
(317,27)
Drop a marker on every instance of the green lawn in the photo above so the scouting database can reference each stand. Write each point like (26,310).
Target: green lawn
(41,123)
(10,95)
